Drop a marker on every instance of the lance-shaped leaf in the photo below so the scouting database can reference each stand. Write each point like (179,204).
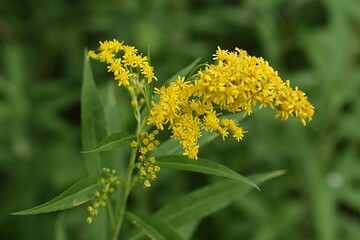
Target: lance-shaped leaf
(207,200)
(94,128)
(170,146)
(115,140)
(77,194)
(93,123)
(185,72)
(153,227)
(201,166)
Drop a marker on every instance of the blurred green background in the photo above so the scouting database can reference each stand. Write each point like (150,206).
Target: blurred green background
(316,44)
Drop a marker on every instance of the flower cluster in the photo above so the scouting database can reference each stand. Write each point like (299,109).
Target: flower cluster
(235,82)
(125,67)
(108,181)
(146,164)
(238,82)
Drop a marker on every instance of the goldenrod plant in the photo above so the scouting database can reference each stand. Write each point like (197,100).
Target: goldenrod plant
(173,122)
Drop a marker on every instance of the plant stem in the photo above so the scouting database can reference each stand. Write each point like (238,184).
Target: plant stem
(128,180)
(111,214)
(125,195)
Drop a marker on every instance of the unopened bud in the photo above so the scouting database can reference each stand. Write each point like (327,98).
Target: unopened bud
(89,220)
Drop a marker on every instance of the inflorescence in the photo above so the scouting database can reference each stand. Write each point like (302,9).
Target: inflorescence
(109,181)
(235,82)
(124,62)
(146,164)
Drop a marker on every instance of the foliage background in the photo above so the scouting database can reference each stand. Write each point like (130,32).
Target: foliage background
(316,44)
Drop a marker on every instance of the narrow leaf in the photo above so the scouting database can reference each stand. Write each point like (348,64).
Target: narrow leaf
(115,140)
(201,166)
(206,201)
(93,123)
(196,68)
(170,146)
(188,230)
(153,227)
(77,194)
(184,71)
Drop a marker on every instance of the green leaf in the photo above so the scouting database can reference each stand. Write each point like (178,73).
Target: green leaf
(185,72)
(153,227)
(168,147)
(201,166)
(76,195)
(207,200)
(93,123)
(115,140)
(188,230)
(195,69)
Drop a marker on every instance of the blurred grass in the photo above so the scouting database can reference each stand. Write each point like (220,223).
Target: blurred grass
(316,44)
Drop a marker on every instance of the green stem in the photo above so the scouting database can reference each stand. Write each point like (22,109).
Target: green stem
(111,214)
(125,195)
(127,184)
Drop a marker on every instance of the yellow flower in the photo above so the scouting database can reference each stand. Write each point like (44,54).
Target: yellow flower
(91,54)
(150,147)
(126,67)
(123,77)
(234,129)
(235,82)
(147,183)
(172,100)
(130,50)
(293,102)
(211,122)
(134,144)
(143,150)
(115,66)
(151,159)
(146,165)
(106,56)
(133,60)
(148,72)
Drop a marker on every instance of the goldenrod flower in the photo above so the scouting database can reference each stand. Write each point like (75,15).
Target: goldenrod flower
(126,66)
(133,144)
(91,54)
(235,82)
(109,182)
(143,150)
(293,102)
(146,165)
(147,183)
